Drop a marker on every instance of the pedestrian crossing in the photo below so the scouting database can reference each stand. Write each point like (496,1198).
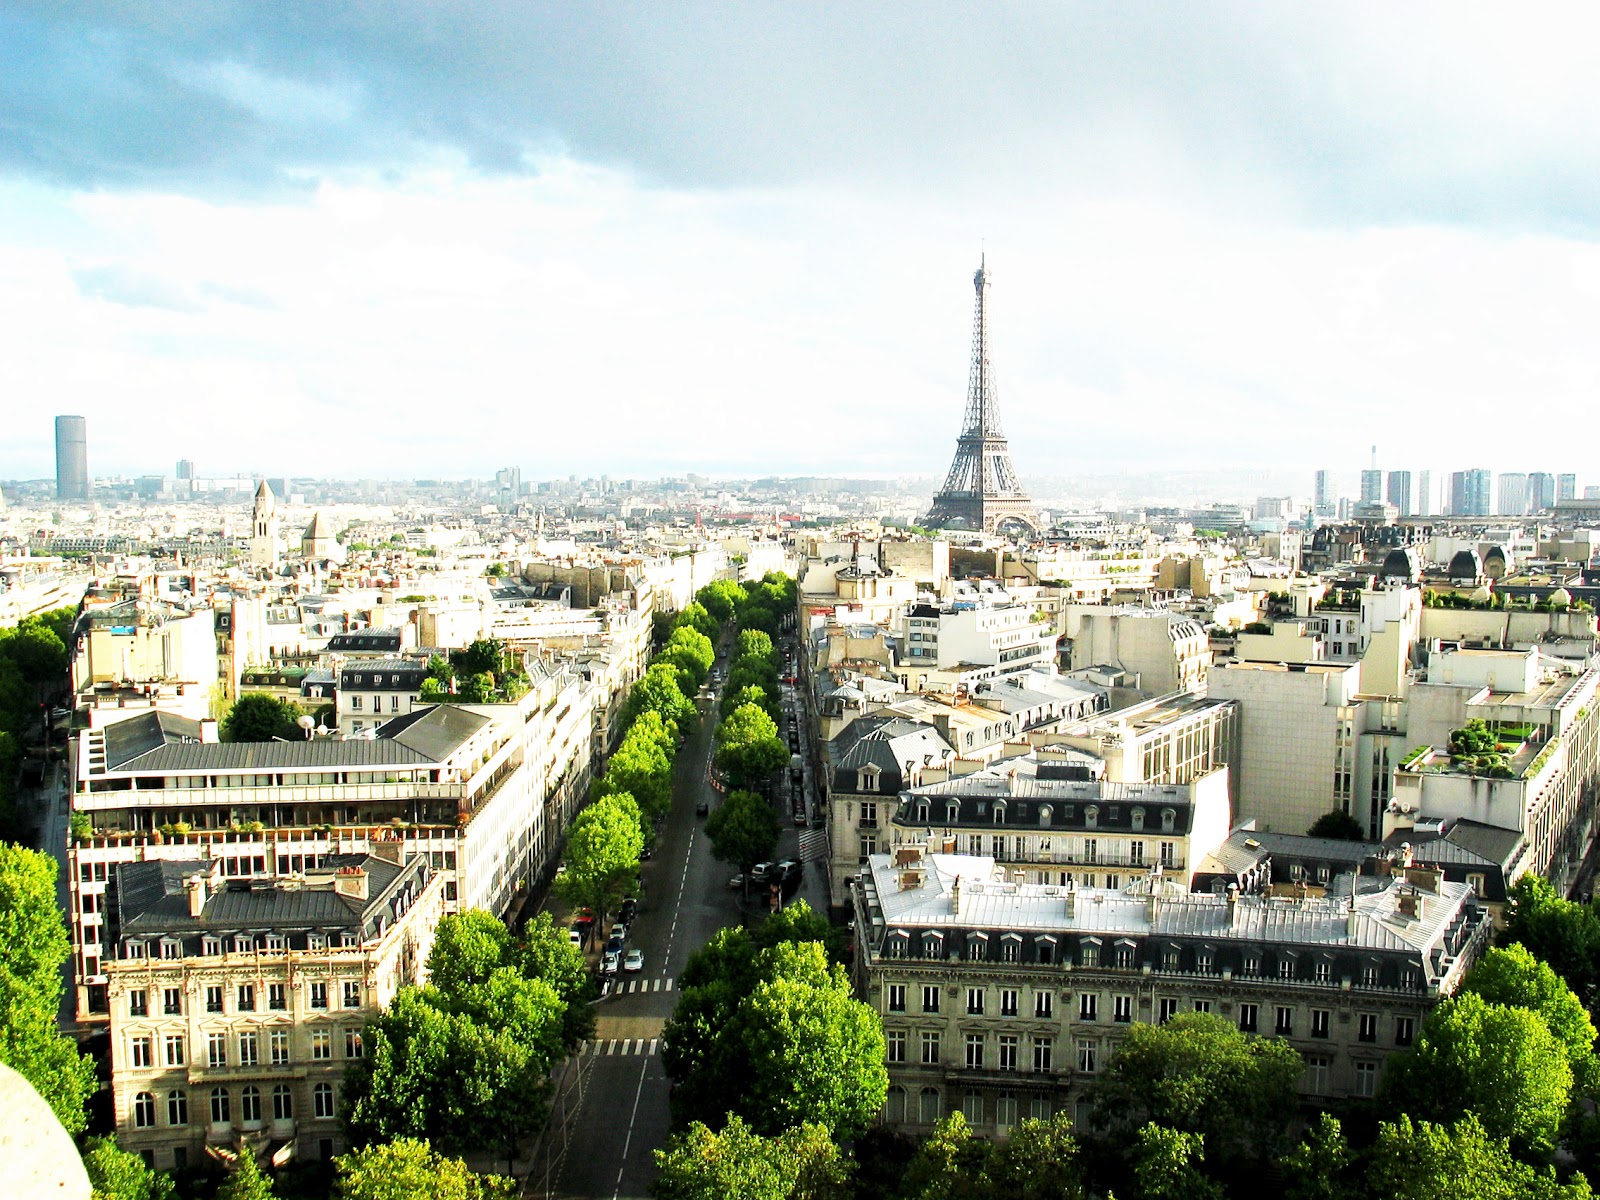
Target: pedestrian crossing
(626,987)
(813,845)
(616,1047)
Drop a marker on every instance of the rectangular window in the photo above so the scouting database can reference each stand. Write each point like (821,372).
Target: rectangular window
(1136,853)
(1088,1002)
(1086,1056)
(321,1044)
(974,1051)
(278,1043)
(1122,1009)
(352,994)
(355,703)
(895,1040)
(930,1049)
(277,997)
(1283,1024)
(1169,853)
(353,1045)
(930,998)
(139,1004)
(1366,1079)
(1202,1006)
(974,1002)
(173,1044)
(319,995)
(1044,1004)
(141,1052)
(1320,1017)
(1167,1008)
(1367,1030)
(1317,1074)
(213,999)
(1043,1052)
(1248,1018)
(1008,1002)
(247,997)
(216,1049)
(249,1049)
(172,1001)
(1286,968)
(1008,1052)
(897,997)
(1404,1030)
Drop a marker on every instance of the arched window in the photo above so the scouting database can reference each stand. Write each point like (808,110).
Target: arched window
(144,1111)
(929,1109)
(221,1109)
(250,1105)
(1000,813)
(282,1103)
(1168,820)
(1137,817)
(177,1107)
(322,1099)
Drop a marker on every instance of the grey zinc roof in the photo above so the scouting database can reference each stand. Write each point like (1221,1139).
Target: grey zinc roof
(136,736)
(435,733)
(991,905)
(297,755)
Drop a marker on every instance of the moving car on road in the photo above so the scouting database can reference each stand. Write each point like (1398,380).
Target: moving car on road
(634,961)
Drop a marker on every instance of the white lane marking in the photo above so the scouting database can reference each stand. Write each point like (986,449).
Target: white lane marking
(670,982)
(653,1044)
(611,1046)
(628,1141)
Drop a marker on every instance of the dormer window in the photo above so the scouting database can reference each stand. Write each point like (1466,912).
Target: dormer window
(1168,820)
(922,812)
(1044,815)
(1091,817)
(932,945)
(1137,817)
(999,814)
(210,946)
(952,813)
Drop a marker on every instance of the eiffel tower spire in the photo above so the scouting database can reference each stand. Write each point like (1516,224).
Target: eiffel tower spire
(981,491)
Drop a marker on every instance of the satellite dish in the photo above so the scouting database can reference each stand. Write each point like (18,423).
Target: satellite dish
(308,723)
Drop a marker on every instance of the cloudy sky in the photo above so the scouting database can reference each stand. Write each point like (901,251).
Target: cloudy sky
(406,238)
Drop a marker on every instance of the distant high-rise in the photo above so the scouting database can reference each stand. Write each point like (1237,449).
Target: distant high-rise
(1325,497)
(1566,487)
(1372,486)
(185,468)
(1469,493)
(1512,500)
(1400,492)
(72,458)
(1541,491)
(1424,493)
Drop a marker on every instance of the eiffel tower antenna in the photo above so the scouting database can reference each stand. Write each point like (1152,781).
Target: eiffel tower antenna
(981,492)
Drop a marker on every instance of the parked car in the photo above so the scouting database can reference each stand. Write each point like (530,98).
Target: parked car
(702,808)
(609,961)
(629,910)
(789,869)
(736,882)
(614,946)
(575,936)
(619,932)
(634,961)
(760,872)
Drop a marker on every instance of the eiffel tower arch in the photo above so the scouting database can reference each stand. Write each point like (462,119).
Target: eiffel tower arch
(981,492)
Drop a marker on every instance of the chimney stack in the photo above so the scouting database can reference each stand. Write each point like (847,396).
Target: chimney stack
(351,881)
(194,887)
(1233,904)
(1072,899)
(955,896)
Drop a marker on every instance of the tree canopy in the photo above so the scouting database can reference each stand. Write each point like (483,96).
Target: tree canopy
(1499,1063)
(602,858)
(1421,1160)
(749,748)
(35,941)
(410,1169)
(743,830)
(801,1163)
(1197,1073)
(258,717)
(1337,824)
(118,1174)
(1562,933)
(1510,975)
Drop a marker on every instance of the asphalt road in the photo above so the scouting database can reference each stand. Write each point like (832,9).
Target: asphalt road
(611,1110)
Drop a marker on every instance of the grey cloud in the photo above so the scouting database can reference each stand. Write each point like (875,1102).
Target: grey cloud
(1289,106)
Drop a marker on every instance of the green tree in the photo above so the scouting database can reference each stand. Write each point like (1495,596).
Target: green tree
(1198,1074)
(1510,975)
(485,656)
(1425,1161)
(766,701)
(753,643)
(657,691)
(35,941)
(117,1174)
(949,1165)
(743,830)
(247,1182)
(641,767)
(721,599)
(797,922)
(409,1169)
(38,652)
(545,952)
(697,618)
(750,750)
(797,1164)
(602,858)
(1501,1064)
(753,672)
(434,691)
(258,717)
(695,649)
(1320,1167)
(1337,824)
(1041,1160)
(1564,934)
(468,947)
(476,689)
(1166,1165)
(812,1051)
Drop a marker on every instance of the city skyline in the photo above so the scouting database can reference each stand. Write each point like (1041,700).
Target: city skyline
(411,244)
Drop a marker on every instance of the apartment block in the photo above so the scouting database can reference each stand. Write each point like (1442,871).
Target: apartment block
(1006,1000)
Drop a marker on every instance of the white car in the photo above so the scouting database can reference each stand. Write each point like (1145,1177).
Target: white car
(634,961)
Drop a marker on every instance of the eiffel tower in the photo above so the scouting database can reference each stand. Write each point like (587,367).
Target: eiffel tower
(981,491)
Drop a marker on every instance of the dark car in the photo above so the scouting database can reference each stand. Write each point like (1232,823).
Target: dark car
(629,910)
(614,945)
(702,808)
